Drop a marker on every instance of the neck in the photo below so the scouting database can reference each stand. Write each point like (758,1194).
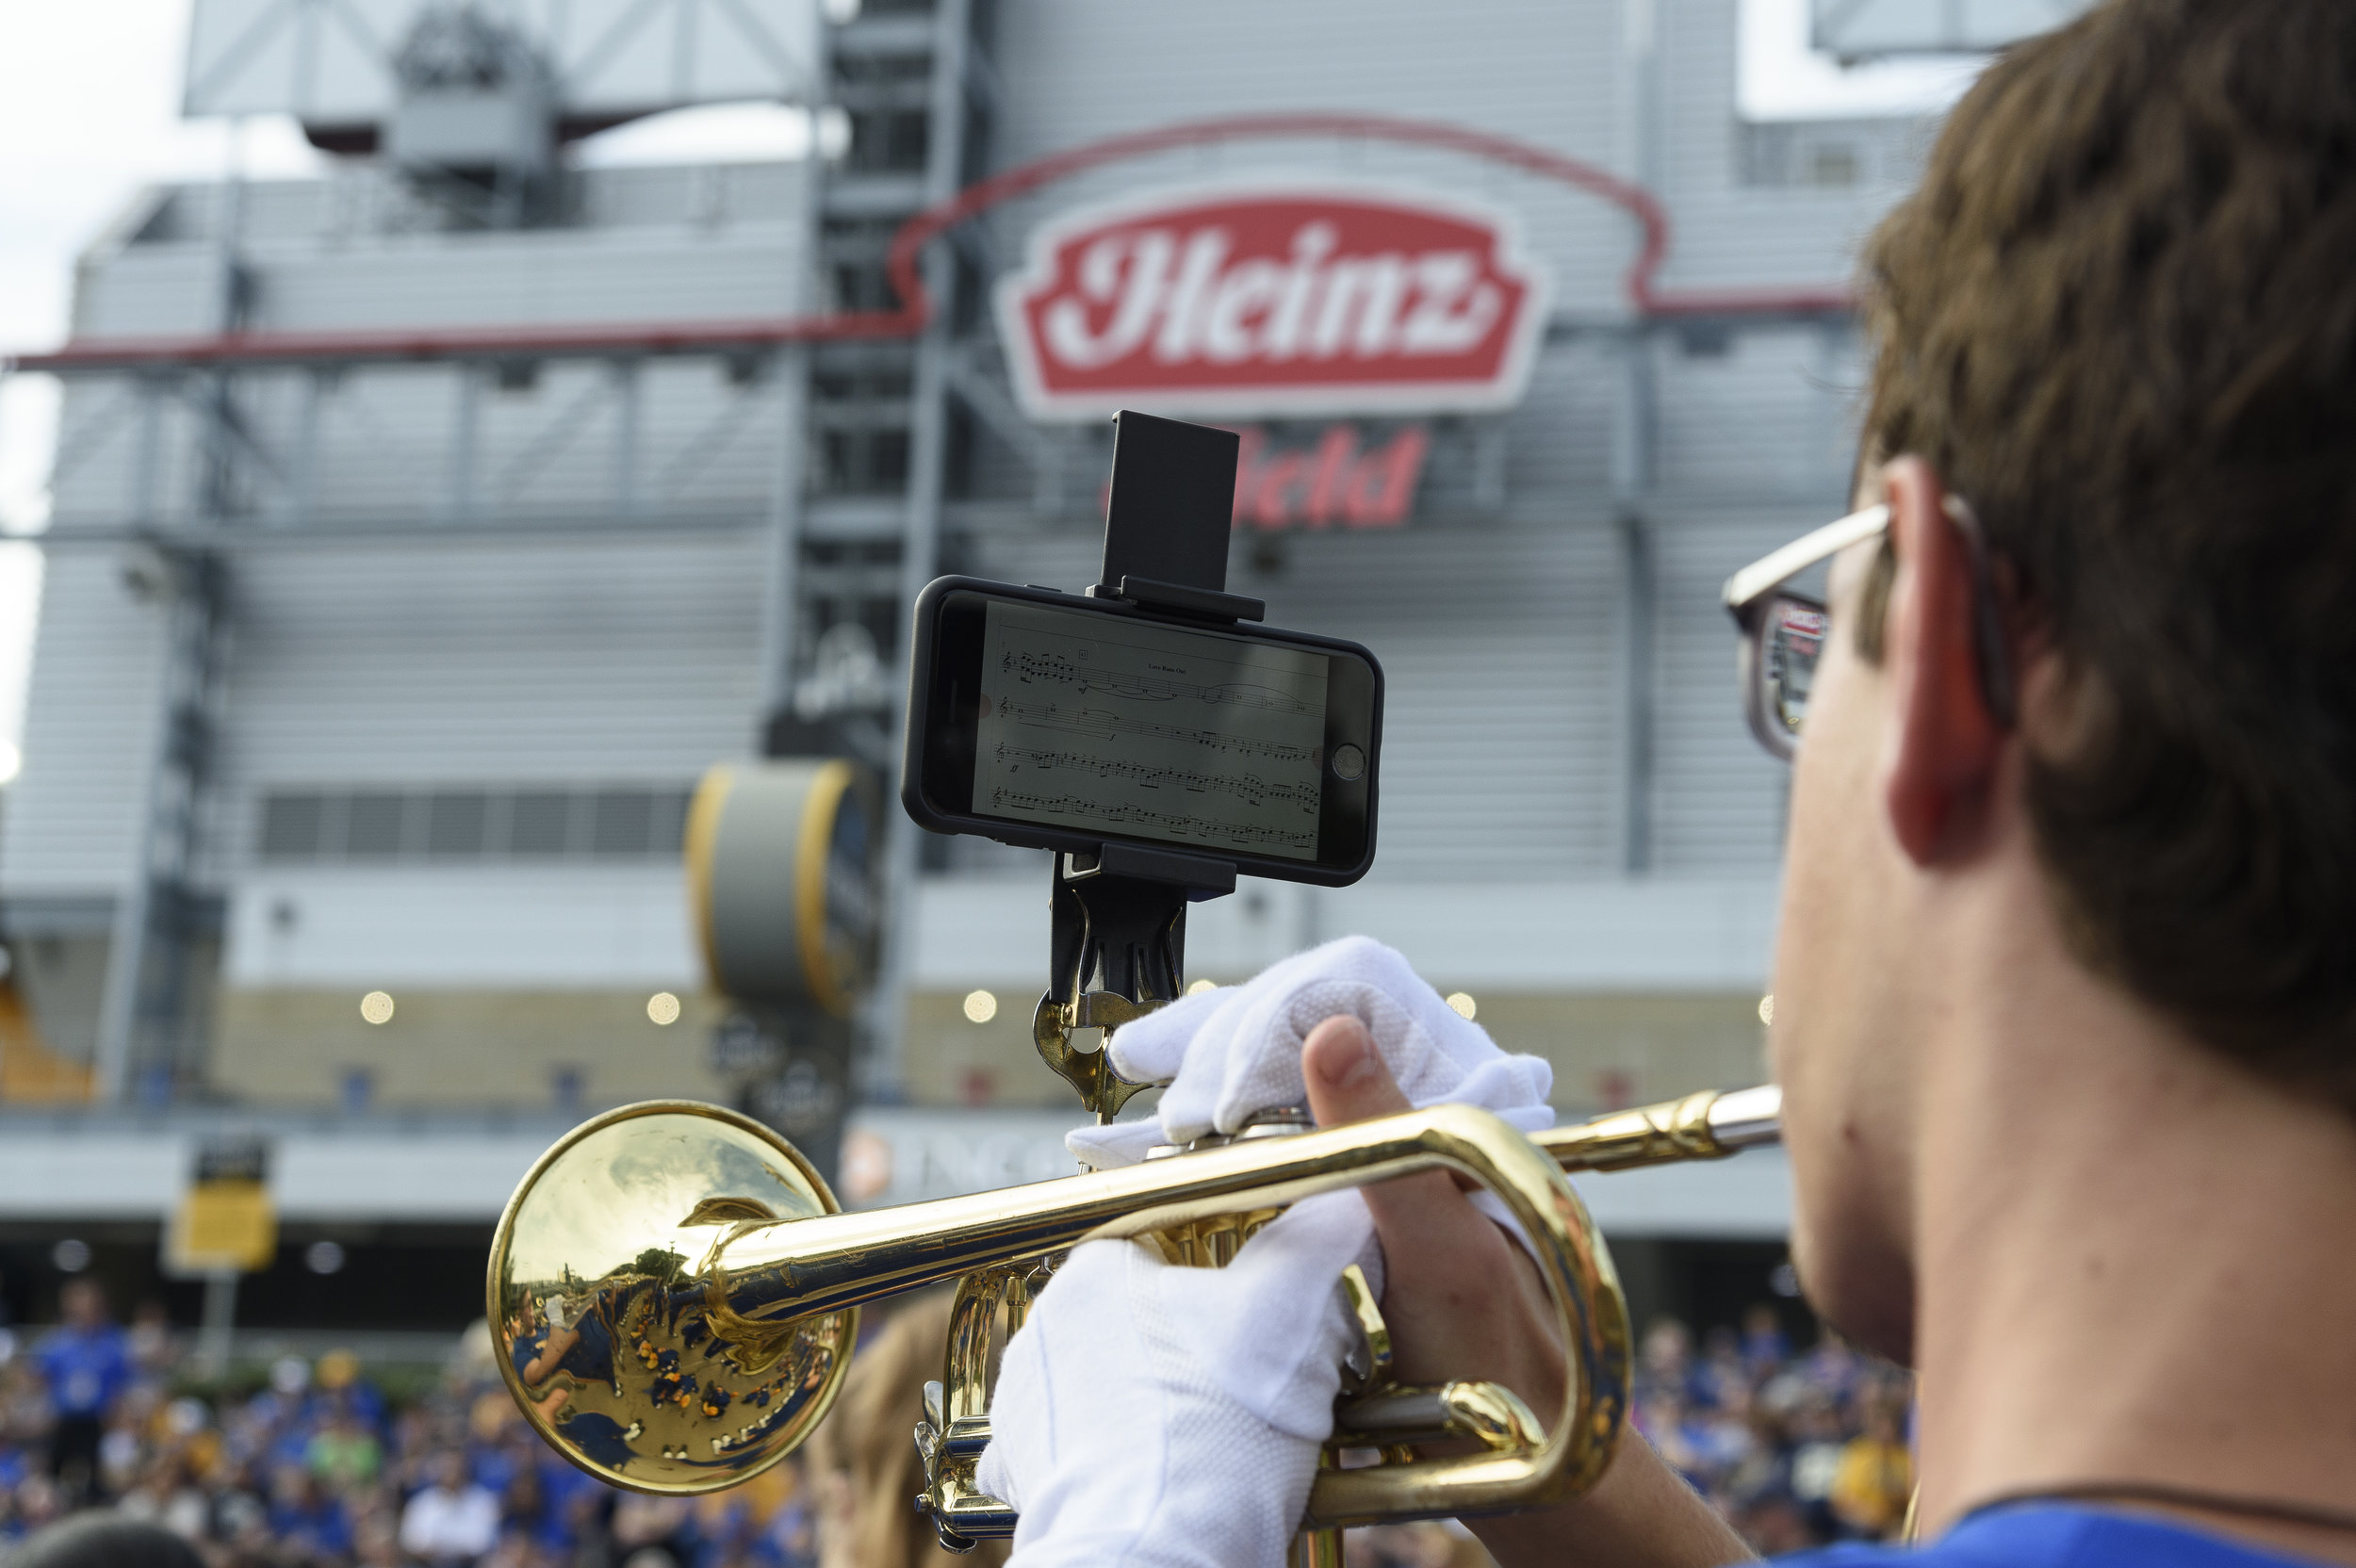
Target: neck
(2129,1253)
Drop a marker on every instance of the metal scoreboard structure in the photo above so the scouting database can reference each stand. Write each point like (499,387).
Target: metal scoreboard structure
(334,65)
(423,533)
(1872,29)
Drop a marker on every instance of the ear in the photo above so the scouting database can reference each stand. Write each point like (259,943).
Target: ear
(1944,744)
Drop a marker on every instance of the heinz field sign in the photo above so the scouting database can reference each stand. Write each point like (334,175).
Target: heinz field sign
(1300,299)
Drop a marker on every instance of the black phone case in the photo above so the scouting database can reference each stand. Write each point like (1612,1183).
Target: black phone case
(1037,836)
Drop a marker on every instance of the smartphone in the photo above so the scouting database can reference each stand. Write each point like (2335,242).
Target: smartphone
(1056,722)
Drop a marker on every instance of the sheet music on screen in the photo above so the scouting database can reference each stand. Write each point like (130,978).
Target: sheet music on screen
(1149,731)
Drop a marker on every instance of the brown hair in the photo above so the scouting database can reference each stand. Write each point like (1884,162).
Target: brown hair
(863,1461)
(2119,317)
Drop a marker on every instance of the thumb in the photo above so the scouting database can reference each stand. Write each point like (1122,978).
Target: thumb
(1349,1081)
(1347,1078)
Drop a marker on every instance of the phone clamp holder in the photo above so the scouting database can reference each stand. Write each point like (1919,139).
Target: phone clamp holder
(1119,915)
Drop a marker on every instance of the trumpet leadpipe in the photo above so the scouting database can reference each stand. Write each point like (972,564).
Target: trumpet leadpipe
(828,1263)
(1705,1126)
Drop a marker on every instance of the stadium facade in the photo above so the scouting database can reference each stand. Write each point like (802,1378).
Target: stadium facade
(422,534)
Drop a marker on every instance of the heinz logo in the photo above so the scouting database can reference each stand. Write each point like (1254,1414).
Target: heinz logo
(1272,300)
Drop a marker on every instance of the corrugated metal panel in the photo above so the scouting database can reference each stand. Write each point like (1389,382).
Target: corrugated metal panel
(1077,71)
(634,275)
(1499,647)
(605,660)
(611,662)
(109,432)
(384,436)
(441,659)
(1728,234)
(150,291)
(1763,416)
(91,725)
(564,927)
(385,440)
(359,201)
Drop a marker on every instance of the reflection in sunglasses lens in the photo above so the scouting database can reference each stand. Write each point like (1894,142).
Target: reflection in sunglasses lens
(1795,636)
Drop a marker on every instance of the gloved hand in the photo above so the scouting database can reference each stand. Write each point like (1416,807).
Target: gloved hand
(1230,1053)
(1153,1416)
(1171,1417)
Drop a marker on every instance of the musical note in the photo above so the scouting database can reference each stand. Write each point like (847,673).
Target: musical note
(1027,667)
(1152,731)
(1247,788)
(1103,721)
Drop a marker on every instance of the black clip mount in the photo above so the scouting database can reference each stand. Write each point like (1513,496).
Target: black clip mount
(1119,914)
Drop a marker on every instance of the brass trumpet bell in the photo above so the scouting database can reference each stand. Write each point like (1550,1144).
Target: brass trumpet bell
(609,1315)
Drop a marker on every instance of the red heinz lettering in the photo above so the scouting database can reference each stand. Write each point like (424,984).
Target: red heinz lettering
(1131,270)
(1316,487)
(1284,301)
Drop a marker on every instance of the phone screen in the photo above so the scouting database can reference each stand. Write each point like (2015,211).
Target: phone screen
(1043,721)
(1127,727)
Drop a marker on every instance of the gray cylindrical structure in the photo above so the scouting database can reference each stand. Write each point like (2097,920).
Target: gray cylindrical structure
(780,870)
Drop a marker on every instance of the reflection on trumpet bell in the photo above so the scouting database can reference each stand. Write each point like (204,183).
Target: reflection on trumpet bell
(609,1317)
(673,1290)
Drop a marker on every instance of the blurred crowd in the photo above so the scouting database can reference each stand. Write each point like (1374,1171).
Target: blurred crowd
(1798,1449)
(316,1467)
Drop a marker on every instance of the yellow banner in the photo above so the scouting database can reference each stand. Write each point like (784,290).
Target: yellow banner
(222,1225)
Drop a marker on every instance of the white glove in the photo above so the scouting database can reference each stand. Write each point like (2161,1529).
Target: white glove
(1154,1416)
(1230,1053)
(1171,1417)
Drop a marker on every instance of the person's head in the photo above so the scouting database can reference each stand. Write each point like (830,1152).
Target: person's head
(1812,1418)
(1772,1523)
(861,1466)
(291,1486)
(104,1541)
(2099,675)
(1668,1345)
(337,1370)
(376,1541)
(82,1302)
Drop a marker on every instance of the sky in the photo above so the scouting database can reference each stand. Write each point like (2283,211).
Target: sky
(89,113)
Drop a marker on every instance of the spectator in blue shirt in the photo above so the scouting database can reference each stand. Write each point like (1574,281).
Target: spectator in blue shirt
(87,1363)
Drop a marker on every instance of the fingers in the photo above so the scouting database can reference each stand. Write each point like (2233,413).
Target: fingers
(1153,1047)
(1349,1081)
(1463,1300)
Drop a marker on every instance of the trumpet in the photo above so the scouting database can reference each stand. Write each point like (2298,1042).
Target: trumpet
(674,1293)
